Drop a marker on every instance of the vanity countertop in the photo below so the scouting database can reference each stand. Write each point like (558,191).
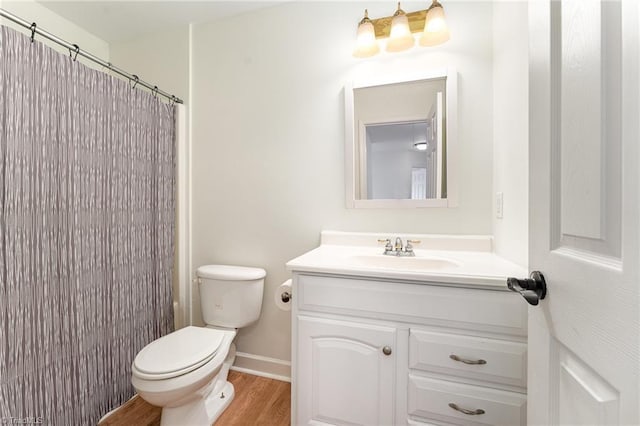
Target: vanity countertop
(467,260)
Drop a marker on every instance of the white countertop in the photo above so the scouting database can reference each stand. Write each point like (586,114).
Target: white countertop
(478,267)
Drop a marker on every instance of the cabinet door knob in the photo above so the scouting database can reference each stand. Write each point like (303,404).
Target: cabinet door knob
(386,350)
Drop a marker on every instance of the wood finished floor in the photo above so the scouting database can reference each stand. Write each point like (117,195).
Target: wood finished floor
(258,401)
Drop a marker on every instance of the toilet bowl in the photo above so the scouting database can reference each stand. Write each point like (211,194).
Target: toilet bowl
(185,372)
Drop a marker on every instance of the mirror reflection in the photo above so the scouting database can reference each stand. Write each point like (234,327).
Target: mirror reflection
(395,148)
(400,140)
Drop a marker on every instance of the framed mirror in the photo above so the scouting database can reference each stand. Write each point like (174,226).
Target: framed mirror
(400,141)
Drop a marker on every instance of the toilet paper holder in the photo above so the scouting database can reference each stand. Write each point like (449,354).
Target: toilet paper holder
(283,295)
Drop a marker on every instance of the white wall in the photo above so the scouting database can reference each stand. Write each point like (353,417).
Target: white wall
(268,138)
(161,59)
(46,20)
(511,128)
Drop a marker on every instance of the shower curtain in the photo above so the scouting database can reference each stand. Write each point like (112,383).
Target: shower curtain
(87,216)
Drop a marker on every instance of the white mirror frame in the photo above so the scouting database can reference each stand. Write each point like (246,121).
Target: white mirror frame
(351,145)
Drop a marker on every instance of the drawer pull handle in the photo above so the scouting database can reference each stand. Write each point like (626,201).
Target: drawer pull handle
(386,350)
(468,361)
(465,411)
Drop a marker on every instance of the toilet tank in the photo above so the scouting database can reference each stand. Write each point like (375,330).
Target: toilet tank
(230,296)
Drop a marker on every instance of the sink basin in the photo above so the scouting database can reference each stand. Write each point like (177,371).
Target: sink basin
(403,263)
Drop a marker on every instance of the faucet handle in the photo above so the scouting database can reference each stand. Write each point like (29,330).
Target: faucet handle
(409,246)
(387,244)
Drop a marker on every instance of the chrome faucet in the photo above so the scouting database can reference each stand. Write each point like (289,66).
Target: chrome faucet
(398,249)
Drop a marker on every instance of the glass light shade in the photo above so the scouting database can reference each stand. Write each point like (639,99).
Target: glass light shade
(366,44)
(401,37)
(436,30)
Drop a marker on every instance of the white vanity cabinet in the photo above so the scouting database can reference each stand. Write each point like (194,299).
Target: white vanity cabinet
(374,351)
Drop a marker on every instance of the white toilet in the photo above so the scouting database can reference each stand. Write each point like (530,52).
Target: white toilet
(185,372)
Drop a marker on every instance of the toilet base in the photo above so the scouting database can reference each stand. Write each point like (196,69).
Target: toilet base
(202,412)
(205,411)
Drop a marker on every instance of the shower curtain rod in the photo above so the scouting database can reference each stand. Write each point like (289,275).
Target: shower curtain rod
(73,48)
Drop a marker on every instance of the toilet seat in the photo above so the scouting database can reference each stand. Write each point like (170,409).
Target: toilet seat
(177,353)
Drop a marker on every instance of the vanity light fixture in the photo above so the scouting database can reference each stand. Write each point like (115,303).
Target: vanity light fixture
(399,29)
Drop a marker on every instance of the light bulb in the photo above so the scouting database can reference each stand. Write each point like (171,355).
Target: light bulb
(366,44)
(401,37)
(420,146)
(436,30)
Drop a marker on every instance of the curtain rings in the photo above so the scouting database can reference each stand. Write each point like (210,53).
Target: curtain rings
(33,31)
(172,100)
(154,92)
(136,79)
(76,50)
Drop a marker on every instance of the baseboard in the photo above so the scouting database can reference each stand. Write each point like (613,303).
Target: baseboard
(263,366)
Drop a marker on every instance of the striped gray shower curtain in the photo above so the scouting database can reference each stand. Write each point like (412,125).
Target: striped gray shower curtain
(87,215)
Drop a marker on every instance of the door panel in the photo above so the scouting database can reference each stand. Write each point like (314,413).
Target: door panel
(586,127)
(581,145)
(584,397)
(584,227)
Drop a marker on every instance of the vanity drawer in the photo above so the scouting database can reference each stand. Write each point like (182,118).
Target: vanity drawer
(422,303)
(431,399)
(480,358)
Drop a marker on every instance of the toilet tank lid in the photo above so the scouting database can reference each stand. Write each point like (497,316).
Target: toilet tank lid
(231,273)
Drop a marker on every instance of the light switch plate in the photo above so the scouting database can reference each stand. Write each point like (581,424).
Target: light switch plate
(499,204)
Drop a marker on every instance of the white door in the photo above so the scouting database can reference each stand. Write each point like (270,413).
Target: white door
(346,372)
(584,195)
(419,183)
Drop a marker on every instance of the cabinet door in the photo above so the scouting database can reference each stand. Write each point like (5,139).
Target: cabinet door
(344,374)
